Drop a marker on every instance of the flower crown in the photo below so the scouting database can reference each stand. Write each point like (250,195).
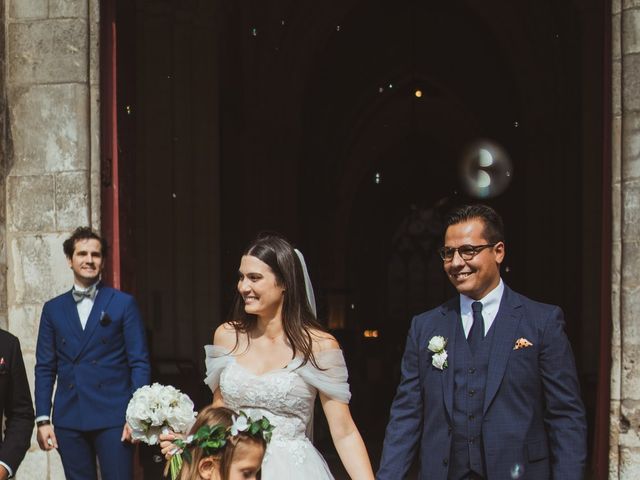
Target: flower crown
(213,438)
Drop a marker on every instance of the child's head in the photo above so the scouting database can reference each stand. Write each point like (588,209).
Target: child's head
(239,458)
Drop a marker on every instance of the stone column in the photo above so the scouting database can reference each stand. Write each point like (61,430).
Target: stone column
(625,376)
(51,163)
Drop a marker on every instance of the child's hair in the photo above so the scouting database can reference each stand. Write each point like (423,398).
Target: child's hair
(218,416)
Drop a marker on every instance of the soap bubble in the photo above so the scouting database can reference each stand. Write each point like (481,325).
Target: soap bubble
(485,169)
(517,470)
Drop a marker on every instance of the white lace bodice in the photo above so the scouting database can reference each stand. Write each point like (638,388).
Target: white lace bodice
(286,396)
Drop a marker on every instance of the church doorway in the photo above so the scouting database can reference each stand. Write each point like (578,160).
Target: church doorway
(344,127)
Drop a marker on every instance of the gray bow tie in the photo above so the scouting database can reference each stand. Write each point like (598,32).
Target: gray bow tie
(89,293)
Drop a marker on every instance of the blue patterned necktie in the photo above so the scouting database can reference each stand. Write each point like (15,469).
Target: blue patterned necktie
(476,334)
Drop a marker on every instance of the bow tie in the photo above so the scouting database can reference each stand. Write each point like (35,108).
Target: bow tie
(89,293)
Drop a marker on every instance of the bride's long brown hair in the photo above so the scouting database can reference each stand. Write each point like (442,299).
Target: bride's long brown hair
(297,318)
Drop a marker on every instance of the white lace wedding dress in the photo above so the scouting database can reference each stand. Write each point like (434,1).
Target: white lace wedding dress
(286,397)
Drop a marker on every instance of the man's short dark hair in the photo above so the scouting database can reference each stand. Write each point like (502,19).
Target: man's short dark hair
(493,226)
(83,233)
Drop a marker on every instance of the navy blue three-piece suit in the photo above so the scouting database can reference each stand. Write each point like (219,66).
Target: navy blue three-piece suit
(501,413)
(97,370)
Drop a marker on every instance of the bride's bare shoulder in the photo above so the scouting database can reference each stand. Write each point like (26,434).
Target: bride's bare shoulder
(323,341)
(225,336)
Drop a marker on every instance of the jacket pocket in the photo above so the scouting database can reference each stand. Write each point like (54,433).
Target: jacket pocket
(537,451)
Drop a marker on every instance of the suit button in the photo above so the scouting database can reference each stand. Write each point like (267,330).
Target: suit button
(70,386)
(94,362)
(472,370)
(104,340)
(471,417)
(450,430)
(445,461)
(471,440)
(471,393)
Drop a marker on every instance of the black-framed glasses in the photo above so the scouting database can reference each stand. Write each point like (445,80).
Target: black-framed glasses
(467,252)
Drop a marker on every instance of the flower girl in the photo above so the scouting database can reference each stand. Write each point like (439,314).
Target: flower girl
(221,445)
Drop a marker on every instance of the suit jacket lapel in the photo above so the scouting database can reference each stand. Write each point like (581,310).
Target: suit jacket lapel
(71,314)
(505,327)
(99,306)
(450,315)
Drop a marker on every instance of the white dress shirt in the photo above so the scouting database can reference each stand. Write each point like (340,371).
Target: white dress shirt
(490,306)
(84,306)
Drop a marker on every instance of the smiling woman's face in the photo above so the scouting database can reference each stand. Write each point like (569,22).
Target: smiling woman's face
(258,286)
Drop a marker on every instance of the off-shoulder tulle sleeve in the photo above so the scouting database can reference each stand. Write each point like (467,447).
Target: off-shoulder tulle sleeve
(332,381)
(216,358)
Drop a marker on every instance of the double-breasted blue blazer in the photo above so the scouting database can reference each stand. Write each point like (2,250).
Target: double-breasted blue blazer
(97,369)
(533,421)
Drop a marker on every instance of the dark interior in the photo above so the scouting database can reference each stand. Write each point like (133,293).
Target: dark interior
(303,117)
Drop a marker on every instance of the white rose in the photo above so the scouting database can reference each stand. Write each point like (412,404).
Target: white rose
(181,416)
(437,344)
(439,360)
(240,424)
(152,436)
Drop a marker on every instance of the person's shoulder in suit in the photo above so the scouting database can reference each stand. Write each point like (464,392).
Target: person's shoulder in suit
(57,301)
(535,311)
(119,294)
(426,319)
(7,338)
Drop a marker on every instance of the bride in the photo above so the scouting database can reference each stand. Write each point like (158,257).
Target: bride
(273,358)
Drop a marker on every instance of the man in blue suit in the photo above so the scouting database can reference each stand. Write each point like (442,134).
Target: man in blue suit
(91,340)
(489,387)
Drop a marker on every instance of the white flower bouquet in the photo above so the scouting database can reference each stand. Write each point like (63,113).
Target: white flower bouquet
(156,408)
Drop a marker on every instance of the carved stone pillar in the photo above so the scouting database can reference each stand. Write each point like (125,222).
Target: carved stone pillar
(50,156)
(625,376)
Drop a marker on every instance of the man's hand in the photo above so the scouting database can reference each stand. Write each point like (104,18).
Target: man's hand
(126,434)
(4,475)
(46,438)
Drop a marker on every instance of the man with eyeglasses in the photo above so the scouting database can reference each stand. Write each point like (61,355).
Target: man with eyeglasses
(489,388)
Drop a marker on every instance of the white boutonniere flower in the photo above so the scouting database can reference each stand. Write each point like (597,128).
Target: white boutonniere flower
(437,345)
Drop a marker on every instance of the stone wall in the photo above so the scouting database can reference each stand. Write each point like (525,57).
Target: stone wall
(51,157)
(3,154)
(625,376)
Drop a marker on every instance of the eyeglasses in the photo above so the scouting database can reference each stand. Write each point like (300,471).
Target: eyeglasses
(467,252)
